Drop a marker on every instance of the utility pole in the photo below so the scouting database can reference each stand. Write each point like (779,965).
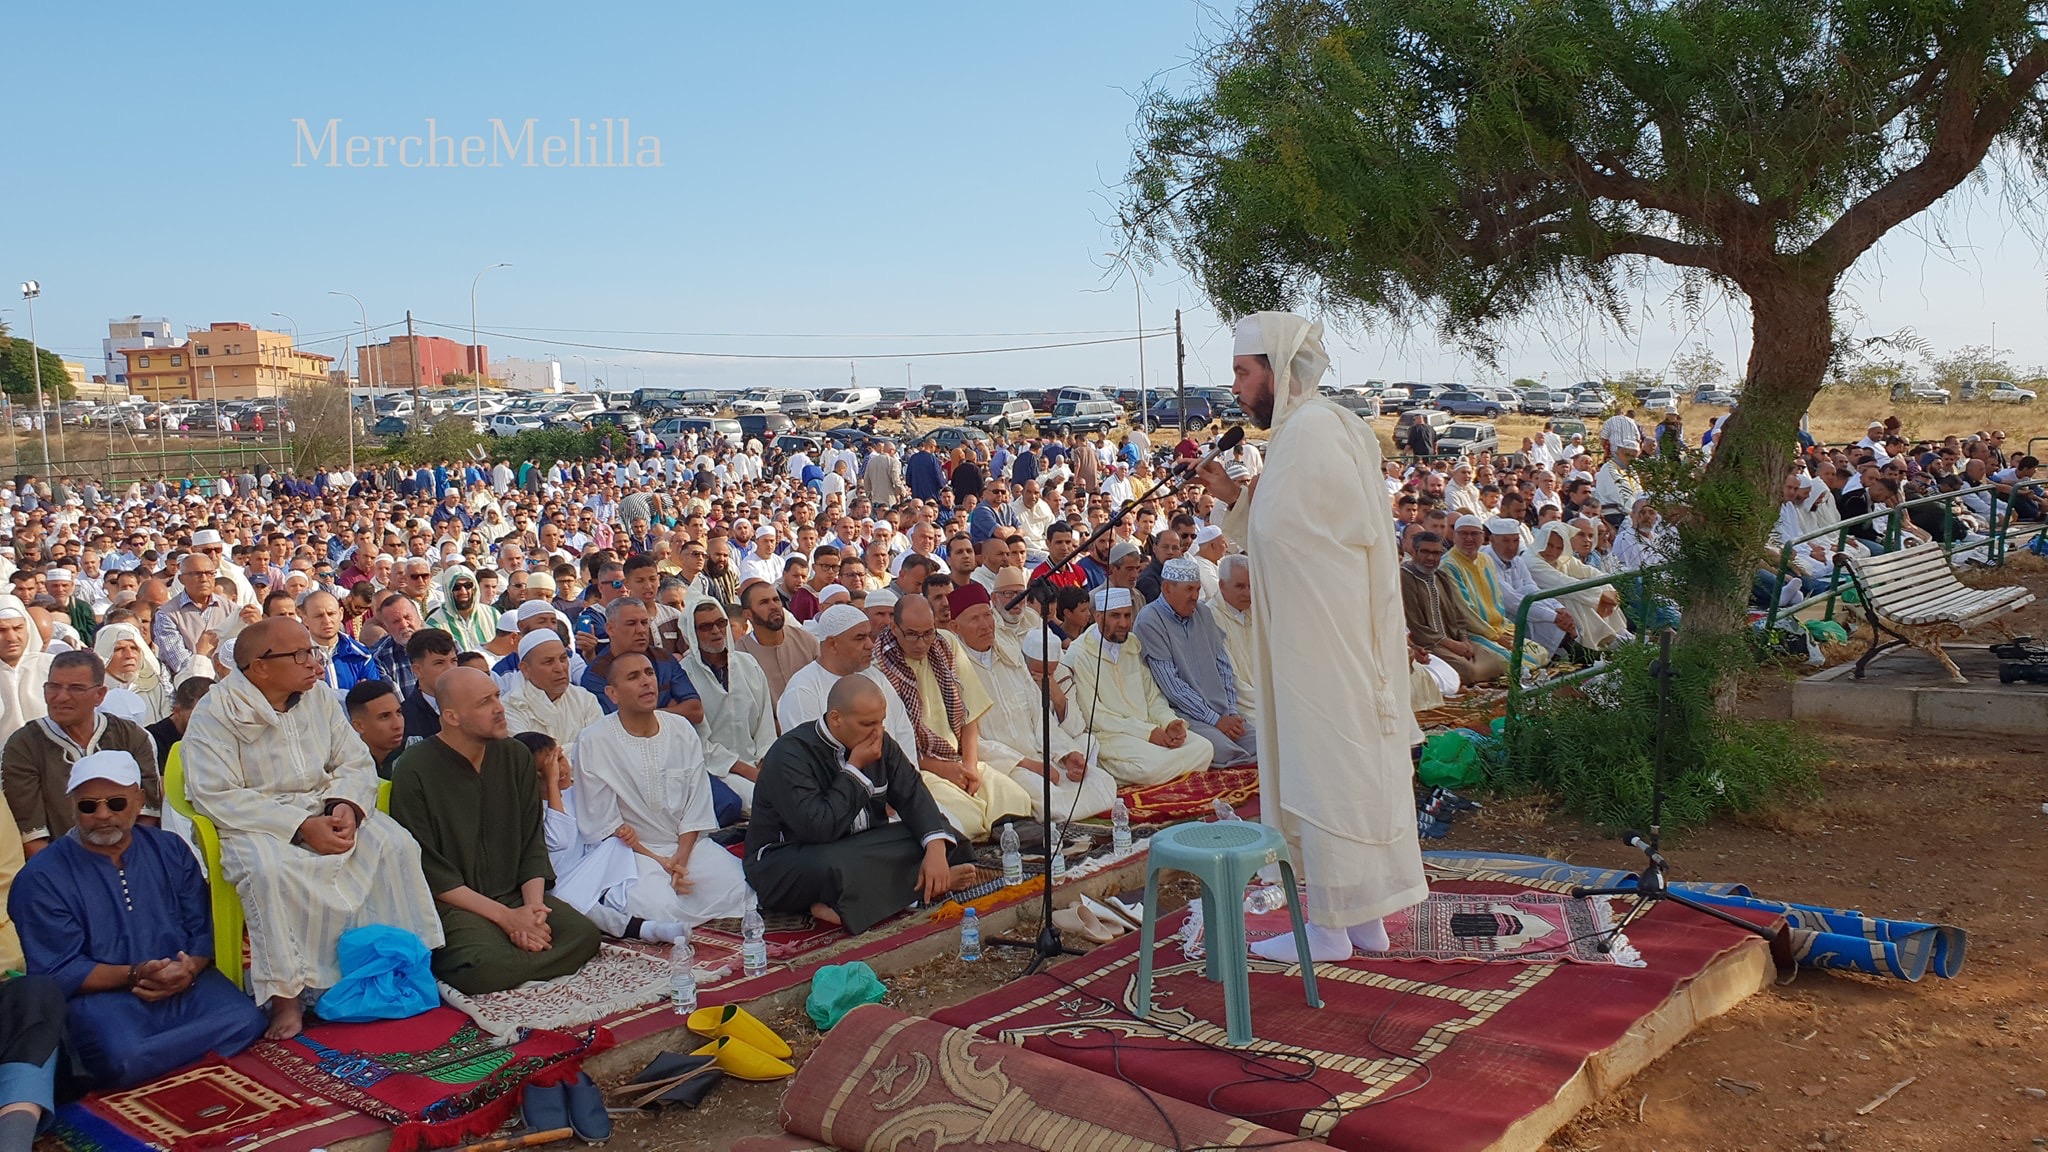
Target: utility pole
(30,289)
(1180,372)
(412,356)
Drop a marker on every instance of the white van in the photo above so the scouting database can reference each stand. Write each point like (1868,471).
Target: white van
(848,401)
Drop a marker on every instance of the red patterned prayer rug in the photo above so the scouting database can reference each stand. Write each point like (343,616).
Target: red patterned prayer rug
(1193,796)
(206,1106)
(1523,927)
(437,1076)
(881,1079)
(1405,1056)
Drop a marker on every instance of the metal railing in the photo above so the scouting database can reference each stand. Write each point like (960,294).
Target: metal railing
(1518,692)
(1895,519)
(2008,512)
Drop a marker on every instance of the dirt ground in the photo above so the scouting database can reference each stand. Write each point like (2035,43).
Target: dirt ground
(1907,827)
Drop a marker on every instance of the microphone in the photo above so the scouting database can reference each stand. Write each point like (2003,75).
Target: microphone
(1231,438)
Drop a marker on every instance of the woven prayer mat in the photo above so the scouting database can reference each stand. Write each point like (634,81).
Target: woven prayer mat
(437,1076)
(1193,796)
(881,1079)
(205,1106)
(1521,927)
(618,979)
(1406,1055)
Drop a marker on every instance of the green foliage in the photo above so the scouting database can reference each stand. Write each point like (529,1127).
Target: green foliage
(18,358)
(1594,749)
(1974,362)
(448,438)
(1698,368)
(547,445)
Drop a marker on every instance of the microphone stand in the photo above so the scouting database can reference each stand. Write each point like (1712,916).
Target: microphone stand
(1045,592)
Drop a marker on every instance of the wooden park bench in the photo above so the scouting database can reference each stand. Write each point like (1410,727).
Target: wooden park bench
(1913,595)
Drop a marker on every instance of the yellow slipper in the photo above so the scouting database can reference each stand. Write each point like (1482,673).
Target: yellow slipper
(740,1024)
(743,1061)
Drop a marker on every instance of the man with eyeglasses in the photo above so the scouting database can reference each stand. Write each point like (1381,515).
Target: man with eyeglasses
(192,624)
(293,792)
(117,914)
(228,575)
(739,708)
(36,760)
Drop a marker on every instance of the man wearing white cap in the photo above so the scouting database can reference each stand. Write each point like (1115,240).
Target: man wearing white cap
(1209,550)
(761,561)
(1615,486)
(1335,726)
(1184,650)
(194,622)
(1232,609)
(880,606)
(293,791)
(119,916)
(543,697)
(207,542)
(1104,672)
(739,713)
(1550,623)
(1488,612)
(1461,495)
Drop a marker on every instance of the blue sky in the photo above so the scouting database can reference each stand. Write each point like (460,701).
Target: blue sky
(900,178)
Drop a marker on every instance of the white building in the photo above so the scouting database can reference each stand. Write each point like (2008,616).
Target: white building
(134,332)
(527,375)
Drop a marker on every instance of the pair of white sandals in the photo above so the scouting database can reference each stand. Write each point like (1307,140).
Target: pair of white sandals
(1099,921)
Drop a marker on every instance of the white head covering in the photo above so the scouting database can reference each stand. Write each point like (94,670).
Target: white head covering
(1554,528)
(534,610)
(1180,570)
(1502,526)
(1468,520)
(882,598)
(834,593)
(1109,598)
(839,618)
(535,639)
(1207,533)
(1034,643)
(205,537)
(508,621)
(148,674)
(113,766)
(1295,347)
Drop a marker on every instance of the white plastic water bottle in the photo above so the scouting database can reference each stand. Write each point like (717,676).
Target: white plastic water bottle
(970,936)
(682,977)
(1264,898)
(1013,857)
(753,941)
(1056,854)
(1224,811)
(1120,826)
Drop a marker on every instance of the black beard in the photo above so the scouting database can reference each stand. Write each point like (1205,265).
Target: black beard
(1261,413)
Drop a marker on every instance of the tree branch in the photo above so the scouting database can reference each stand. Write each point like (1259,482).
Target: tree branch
(1964,132)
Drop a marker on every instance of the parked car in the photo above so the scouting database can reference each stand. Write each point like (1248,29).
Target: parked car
(790,445)
(1465,439)
(1542,402)
(627,420)
(1660,400)
(764,426)
(676,427)
(848,436)
(1070,416)
(1716,397)
(1510,400)
(946,402)
(848,401)
(581,406)
(2003,392)
(898,402)
(1363,407)
(1590,404)
(513,423)
(1002,415)
(1468,404)
(1167,410)
(1922,392)
(1436,418)
(758,400)
(385,425)
(949,438)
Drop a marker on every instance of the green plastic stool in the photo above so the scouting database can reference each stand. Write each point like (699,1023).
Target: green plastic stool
(1224,856)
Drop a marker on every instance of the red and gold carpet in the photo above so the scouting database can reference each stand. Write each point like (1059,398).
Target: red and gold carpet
(1405,1056)
(1193,796)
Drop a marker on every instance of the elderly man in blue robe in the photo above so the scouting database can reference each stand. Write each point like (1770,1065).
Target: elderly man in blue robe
(117,914)
(1185,651)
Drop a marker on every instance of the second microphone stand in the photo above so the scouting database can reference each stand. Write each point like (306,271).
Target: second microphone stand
(1044,591)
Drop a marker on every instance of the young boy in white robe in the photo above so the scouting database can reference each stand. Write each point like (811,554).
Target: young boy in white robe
(595,879)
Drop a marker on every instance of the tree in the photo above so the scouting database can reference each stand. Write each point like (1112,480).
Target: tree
(17,372)
(1973,362)
(1698,368)
(1465,163)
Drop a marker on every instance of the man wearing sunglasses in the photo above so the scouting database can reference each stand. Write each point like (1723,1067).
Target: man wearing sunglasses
(118,915)
(36,761)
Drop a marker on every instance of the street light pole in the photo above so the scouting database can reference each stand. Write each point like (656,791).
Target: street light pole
(1144,413)
(473,345)
(348,406)
(30,289)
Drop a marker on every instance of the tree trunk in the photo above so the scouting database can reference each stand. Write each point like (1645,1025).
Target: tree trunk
(1726,539)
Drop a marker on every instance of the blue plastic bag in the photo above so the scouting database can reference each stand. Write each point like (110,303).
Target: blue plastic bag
(386,974)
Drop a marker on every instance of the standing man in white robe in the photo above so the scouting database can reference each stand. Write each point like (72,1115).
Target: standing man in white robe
(640,776)
(739,712)
(293,792)
(1335,775)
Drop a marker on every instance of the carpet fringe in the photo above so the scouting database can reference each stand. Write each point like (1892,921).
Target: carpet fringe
(1623,952)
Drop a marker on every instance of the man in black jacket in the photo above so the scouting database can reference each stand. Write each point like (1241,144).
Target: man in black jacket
(821,840)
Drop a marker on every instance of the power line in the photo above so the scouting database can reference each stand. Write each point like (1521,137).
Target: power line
(820,335)
(463,329)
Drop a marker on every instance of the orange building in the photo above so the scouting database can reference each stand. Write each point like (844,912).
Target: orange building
(236,361)
(160,373)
